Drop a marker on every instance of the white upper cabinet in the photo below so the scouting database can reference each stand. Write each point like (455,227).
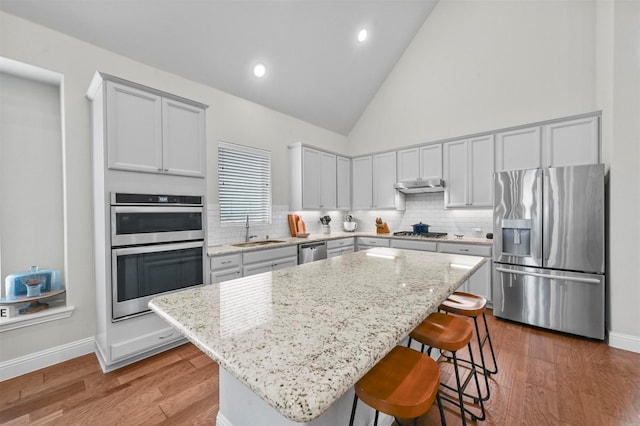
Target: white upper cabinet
(362,182)
(343,176)
(560,143)
(423,162)
(134,129)
(183,134)
(571,143)
(313,178)
(147,132)
(519,149)
(385,196)
(468,172)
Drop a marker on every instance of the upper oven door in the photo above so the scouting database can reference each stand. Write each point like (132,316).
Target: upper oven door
(132,225)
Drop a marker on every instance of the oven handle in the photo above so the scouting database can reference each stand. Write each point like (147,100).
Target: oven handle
(167,209)
(156,248)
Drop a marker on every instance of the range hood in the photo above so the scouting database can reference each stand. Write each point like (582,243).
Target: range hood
(420,185)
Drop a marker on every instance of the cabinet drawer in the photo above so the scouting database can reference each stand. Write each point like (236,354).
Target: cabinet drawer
(470,249)
(414,245)
(373,242)
(225,261)
(225,274)
(144,343)
(342,242)
(269,254)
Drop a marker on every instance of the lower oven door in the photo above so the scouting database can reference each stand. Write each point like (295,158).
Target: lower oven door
(143,272)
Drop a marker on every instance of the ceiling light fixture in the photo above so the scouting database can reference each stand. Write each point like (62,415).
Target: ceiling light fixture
(362,35)
(259,70)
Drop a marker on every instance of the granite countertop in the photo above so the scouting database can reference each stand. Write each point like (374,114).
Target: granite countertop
(215,250)
(300,337)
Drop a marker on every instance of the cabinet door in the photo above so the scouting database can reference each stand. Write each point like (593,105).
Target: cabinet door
(518,149)
(284,263)
(343,183)
(481,171)
(431,161)
(327,180)
(455,160)
(408,164)
(183,135)
(572,143)
(362,182)
(134,129)
(480,282)
(257,268)
(310,178)
(384,177)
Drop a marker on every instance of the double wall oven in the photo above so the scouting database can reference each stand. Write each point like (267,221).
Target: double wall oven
(157,246)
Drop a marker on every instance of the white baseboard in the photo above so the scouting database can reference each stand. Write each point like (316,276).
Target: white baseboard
(624,341)
(221,420)
(35,361)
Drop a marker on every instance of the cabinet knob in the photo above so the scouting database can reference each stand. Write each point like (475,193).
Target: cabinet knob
(166,170)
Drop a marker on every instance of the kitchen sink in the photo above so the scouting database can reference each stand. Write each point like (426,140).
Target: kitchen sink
(257,243)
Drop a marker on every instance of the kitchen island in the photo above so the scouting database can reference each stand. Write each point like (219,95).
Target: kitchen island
(292,343)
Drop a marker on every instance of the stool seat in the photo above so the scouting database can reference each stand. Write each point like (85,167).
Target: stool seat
(466,304)
(403,384)
(443,331)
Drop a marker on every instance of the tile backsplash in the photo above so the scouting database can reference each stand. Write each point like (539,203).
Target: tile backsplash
(426,208)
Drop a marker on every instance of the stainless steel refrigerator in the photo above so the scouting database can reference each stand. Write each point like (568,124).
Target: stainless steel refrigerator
(549,248)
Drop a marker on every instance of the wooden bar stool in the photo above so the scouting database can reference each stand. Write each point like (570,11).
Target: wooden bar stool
(403,384)
(472,306)
(450,333)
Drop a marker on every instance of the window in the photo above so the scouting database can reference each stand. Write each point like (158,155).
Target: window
(244,184)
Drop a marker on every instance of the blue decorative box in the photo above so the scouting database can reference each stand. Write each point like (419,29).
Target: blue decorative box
(31,283)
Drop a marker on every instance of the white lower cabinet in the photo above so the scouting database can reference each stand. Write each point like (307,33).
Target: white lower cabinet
(226,267)
(415,245)
(480,281)
(364,243)
(340,246)
(257,262)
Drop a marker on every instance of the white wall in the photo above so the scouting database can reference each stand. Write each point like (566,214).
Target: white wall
(229,118)
(481,65)
(618,92)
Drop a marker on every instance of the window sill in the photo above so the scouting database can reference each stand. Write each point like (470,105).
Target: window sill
(20,321)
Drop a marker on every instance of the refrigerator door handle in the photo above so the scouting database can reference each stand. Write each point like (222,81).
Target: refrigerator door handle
(556,277)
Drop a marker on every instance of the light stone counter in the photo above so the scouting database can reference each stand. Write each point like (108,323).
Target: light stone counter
(300,337)
(223,249)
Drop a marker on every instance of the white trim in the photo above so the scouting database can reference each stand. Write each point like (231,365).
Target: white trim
(626,342)
(221,420)
(35,361)
(37,318)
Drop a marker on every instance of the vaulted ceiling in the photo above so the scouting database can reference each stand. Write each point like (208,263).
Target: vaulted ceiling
(316,69)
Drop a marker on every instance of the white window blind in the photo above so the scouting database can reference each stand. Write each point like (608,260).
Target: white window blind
(244,184)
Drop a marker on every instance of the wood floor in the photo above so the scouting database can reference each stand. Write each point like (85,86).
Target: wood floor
(544,378)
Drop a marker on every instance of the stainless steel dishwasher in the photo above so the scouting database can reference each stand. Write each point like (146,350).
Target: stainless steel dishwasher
(310,252)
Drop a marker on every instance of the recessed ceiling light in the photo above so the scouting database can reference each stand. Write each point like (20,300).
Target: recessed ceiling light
(362,35)
(259,70)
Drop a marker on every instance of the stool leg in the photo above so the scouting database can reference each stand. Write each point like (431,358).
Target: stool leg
(443,421)
(475,376)
(488,337)
(459,385)
(484,367)
(353,409)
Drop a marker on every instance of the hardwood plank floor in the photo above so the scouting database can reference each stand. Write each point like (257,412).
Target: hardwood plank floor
(545,378)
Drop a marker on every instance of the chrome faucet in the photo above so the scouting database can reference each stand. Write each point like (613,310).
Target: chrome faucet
(247,237)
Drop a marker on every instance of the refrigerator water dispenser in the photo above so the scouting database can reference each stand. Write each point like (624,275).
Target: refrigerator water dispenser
(516,237)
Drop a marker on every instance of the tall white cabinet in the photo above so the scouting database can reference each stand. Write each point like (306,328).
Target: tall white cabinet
(144,141)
